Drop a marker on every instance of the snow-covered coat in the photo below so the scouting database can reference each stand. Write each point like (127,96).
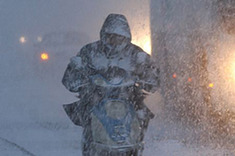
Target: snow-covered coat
(102,58)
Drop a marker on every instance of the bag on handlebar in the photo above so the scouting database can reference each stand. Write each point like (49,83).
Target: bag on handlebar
(115,126)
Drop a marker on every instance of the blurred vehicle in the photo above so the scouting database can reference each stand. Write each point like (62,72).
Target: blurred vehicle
(53,50)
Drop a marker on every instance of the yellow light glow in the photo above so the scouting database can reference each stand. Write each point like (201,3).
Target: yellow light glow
(22,39)
(44,56)
(141,32)
(147,47)
(222,74)
(233,70)
(145,44)
(211,85)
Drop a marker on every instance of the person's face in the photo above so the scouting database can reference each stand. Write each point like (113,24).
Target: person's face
(114,39)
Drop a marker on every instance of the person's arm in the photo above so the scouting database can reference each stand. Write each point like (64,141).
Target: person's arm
(147,72)
(75,75)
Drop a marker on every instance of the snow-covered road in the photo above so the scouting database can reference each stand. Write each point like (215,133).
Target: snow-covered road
(9,148)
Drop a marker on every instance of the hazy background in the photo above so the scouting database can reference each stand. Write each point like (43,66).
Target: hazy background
(35,18)
(31,92)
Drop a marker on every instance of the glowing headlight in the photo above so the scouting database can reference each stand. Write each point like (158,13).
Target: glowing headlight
(22,39)
(211,85)
(44,56)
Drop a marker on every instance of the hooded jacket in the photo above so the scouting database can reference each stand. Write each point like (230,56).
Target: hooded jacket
(99,56)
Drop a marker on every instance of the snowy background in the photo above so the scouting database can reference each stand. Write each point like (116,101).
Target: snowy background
(32,121)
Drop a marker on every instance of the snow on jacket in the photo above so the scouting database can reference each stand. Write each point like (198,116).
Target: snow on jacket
(99,56)
(117,60)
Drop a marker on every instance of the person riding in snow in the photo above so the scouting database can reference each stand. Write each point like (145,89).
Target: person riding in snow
(110,76)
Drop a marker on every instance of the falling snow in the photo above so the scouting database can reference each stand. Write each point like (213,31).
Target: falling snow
(192,47)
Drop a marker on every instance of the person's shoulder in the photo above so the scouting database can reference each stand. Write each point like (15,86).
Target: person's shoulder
(88,47)
(139,54)
(135,47)
(138,50)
